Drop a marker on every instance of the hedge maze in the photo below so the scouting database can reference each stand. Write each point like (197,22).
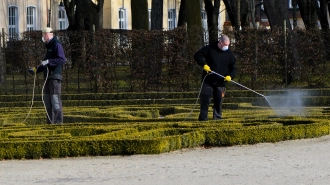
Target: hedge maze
(150,123)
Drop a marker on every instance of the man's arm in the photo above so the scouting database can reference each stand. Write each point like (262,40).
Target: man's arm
(200,56)
(40,68)
(60,57)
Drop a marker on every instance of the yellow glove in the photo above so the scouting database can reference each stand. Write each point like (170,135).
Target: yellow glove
(32,71)
(207,68)
(227,78)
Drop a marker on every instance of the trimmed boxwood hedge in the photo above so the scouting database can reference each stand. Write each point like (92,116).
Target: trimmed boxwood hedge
(49,141)
(150,123)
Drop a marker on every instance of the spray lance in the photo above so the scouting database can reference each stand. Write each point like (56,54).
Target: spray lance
(238,84)
(33,71)
(212,72)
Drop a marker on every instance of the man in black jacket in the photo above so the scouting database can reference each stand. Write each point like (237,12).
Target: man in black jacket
(51,66)
(215,57)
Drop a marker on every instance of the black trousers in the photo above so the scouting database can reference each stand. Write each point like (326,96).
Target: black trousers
(53,102)
(205,98)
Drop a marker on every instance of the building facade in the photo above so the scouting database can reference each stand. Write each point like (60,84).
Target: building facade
(18,16)
(117,14)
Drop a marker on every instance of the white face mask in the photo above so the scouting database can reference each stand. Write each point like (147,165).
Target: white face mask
(43,40)
(225,48)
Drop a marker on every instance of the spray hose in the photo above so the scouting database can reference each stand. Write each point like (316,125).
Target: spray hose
(42,96)
(212,72)
(34,84)
(200,90)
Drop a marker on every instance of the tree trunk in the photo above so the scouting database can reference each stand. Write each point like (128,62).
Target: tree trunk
(238,12)
(328,8)
(100,14)
(70,12)
(2,66)
(193,10)
(139,14)
(322,13)
(194,21)
(212,12)
(249,10)
(307,13)
(83,14)
(157,15)
(182,14)
(294,13)
(277,12)
(231,7)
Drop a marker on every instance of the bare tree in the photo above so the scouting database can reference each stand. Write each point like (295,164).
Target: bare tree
(277,12)
(157,15)
(294,13)
(182,14)
(249,13)
(212,12)
(194,21)
(240,13)
(100,14)
(322,13)
(2,67)
(139,14)
(233,14)
(308,14)
(83,14)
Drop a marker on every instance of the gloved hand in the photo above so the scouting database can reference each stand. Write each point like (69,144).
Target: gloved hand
(227,78)
(207,68)
(32,71)
(44,62)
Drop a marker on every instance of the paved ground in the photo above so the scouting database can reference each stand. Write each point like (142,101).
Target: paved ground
(302,162)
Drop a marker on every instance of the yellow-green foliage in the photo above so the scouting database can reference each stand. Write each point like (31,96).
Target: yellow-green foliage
(49,141)
(147,123)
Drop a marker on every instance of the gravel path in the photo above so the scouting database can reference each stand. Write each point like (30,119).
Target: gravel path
(302,162)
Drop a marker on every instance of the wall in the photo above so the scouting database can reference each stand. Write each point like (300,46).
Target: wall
(41,6)
(41,13)
(111,15)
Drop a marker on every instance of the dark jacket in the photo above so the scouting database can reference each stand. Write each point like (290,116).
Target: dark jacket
(221,62)
(56,59)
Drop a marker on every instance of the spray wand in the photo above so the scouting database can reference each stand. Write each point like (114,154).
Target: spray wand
(42,95)
(239,84)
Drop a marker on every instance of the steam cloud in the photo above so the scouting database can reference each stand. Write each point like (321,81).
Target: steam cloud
(287,104)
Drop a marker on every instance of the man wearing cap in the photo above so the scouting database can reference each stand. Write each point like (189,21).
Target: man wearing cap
(51,66)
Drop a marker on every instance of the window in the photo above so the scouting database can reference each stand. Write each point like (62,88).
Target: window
(204,19)
(290,4)
(204,25)
(171,19)
(122,18)
(62,20)
(13,22)
(30,18)
(262,5)
(149,19)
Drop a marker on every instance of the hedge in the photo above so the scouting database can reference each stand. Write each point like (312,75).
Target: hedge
(52,141)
